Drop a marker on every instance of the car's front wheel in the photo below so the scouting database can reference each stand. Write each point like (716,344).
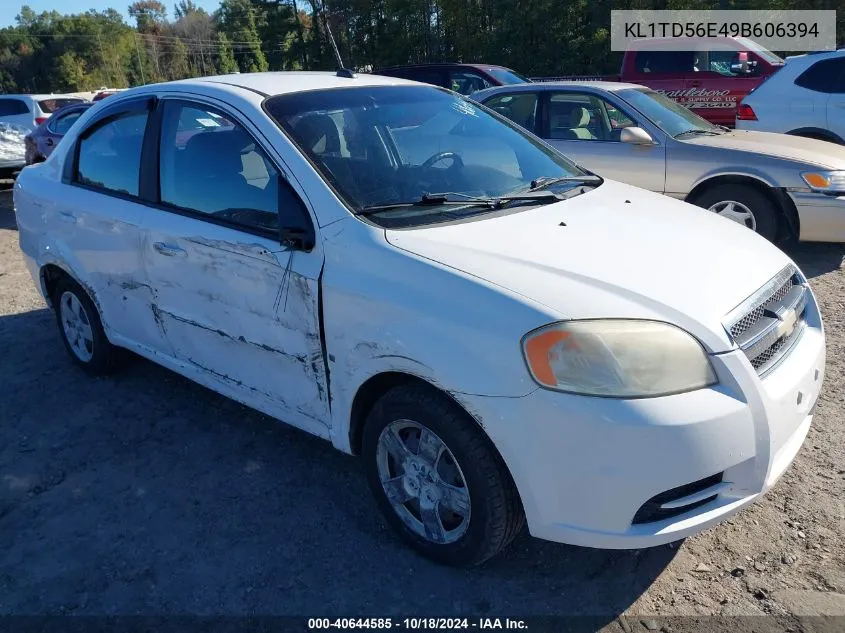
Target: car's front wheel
(744,205)
(437,478)
(81,329)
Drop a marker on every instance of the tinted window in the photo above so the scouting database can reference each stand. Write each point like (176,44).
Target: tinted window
(519,107)
(507,77)
(823,76)
(211,165)
(62,123)
(49,106)
(110,156)
(424,75)
(11,107)
(467,82)
(388,144)
(664,61)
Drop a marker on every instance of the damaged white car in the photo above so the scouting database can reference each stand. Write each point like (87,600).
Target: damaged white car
(503,337)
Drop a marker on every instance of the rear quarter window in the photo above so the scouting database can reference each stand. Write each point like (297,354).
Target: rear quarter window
(48,106)
(823,76)
(12,107)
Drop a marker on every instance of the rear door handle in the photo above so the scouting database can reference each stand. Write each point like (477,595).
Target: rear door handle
(49,141)
(695,84)
(168,250)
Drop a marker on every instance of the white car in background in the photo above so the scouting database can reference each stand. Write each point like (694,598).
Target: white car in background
(806,97)
(500,335)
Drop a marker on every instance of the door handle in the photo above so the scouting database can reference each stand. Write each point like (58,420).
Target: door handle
(695,83)
(67,216)
(169,251)
(49,141)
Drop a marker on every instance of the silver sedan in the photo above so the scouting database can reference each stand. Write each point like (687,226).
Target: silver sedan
(780,186)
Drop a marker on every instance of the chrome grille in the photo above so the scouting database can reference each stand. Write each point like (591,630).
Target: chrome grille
(770,322)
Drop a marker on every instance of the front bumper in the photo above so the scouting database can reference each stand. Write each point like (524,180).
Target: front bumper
(585,466)
(822,217)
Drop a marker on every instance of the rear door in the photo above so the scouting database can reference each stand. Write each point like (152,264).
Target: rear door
(96,222)
(586,127)
(239,308)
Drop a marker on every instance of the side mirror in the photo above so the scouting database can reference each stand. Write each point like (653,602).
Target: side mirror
(741,64)
(635,136)
(297,239)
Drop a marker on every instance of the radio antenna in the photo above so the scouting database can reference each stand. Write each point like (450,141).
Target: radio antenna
(342,71)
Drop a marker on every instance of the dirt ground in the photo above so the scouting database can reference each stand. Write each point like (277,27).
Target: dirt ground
(147,494)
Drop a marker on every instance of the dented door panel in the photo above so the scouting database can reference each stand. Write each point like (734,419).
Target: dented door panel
(238,308)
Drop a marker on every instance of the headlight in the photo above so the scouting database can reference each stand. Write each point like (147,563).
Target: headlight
(825,181)
(617,358)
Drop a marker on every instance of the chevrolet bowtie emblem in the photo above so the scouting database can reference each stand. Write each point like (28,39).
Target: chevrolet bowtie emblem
(788,320)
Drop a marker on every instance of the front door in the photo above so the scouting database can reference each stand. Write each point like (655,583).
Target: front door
(586,128)
(239,309)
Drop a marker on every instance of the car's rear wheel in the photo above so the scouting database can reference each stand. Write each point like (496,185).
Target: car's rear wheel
(81,329)
(744,205)
(437,478)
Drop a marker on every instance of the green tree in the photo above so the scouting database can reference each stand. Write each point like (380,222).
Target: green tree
(225,59)
(238,22)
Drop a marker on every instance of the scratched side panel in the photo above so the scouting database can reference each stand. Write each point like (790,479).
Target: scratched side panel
(238,309)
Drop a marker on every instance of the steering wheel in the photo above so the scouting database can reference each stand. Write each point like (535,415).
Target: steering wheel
(457,163)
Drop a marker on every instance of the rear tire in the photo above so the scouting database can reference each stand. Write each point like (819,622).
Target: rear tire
(459,508)
(744,205)
(81,329)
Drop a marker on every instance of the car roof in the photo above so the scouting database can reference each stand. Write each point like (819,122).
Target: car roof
(444,65)
(542,86)
(276,83)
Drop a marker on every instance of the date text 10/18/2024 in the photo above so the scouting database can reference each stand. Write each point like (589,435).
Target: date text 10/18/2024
(435,624)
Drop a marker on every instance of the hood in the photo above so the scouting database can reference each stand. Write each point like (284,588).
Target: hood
(616,251)
(785,146)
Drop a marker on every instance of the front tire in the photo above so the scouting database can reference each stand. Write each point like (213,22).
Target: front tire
(745,205)
(437,478)
(81,329)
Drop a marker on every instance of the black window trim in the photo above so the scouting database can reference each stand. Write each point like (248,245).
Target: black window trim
(106,116)
(151,187)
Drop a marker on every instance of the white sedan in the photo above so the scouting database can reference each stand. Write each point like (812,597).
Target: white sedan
(501,336)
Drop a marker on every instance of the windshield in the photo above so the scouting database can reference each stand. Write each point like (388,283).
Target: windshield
(507,77)
(383,145)
(669,116)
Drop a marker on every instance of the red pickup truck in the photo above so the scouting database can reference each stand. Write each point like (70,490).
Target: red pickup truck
(709,82)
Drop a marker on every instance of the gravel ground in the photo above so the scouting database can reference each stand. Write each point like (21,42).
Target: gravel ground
(147,494)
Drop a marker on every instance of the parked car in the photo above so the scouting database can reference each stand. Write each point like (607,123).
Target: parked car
(107,93)
(30,111)
(11,150)
(806,98)
(462,78)
(777,185)
(39,143)
(709,82)
(499,334)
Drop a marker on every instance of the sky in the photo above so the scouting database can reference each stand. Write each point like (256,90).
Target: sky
(10,8)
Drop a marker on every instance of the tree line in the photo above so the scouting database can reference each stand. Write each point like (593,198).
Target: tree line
(53,52)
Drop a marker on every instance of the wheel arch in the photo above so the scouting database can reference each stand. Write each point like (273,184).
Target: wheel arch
(817,133)
(790,224)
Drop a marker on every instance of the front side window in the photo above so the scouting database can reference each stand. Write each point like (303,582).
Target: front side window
(577,117)
(380,145)
(519,107)
(211,165)
(669,116)
(110,153)
(467,82)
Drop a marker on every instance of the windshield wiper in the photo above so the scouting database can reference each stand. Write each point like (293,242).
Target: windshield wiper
(547,181)
(438,199)
(707,132)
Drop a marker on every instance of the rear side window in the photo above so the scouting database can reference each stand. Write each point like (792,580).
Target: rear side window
(12,107)
(664,62)
(211,165)
(423,75)
(110,154)
(519,107)
(823,76)
(48,106)
(62,124)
